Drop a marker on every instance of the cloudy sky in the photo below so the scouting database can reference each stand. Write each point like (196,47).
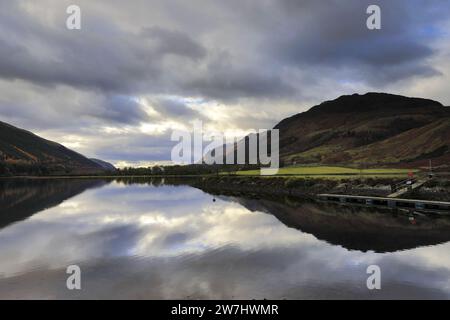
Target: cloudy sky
(139,69)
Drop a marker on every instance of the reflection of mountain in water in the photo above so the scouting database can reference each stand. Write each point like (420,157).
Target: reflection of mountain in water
(356,228)
(21,198)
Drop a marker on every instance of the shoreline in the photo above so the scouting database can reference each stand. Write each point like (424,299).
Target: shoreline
(299,186)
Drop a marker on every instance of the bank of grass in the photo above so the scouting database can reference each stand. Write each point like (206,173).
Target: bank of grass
(330,172)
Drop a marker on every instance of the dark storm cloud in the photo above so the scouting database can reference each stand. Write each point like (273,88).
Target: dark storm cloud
(100,56)
(122,109)
(333,35)
(225,79)
(175,109)
(87,63)
(279,34)
(135,147)
(174,42)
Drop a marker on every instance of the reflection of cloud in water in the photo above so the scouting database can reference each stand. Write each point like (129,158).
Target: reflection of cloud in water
(174,242)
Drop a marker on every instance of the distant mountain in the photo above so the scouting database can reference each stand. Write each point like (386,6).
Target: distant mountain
(105,165)
(374,128)
(22,152)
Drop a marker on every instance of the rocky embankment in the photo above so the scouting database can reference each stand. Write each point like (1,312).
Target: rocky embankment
(437,189)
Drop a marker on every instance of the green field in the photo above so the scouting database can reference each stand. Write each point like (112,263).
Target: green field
(329,171)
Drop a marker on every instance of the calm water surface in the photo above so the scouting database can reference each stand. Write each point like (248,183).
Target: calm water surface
(159,241)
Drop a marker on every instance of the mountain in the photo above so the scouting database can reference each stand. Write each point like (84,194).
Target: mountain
(105,165)
(22,152)
(374,128)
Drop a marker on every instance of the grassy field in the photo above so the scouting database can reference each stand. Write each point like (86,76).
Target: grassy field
(330,172)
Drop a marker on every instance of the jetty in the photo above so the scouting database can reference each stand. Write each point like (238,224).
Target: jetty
(439,207)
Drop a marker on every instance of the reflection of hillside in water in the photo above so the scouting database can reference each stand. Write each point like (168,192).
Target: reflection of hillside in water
(356,228)
(21,198)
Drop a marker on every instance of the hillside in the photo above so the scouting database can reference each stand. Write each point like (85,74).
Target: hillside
(105,165)
(374,128)
(22,152)
(427,142)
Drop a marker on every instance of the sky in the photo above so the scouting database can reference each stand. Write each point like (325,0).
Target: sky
(137,70)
